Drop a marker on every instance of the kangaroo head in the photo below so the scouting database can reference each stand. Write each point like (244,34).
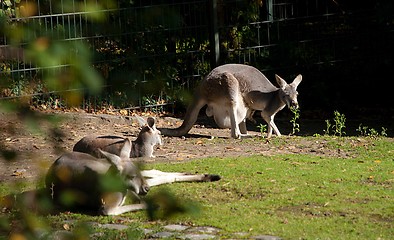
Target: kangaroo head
(149,134)
(288,92)
(127,170)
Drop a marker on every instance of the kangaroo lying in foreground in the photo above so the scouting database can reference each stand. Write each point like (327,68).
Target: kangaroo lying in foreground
(233,92)
(83,176)
(143,146)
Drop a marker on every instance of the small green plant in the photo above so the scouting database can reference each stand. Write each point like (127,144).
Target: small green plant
(362,130)
(293,120)
(328,127)
(383,133)
(153,103)
(337,128)
(373,133)
(365,131)
(262,128)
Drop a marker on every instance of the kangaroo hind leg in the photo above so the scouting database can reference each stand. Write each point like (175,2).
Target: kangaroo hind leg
(271,124)
(237,109)
(157,177)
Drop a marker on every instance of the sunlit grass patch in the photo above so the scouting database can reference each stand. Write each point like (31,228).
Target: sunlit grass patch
(297,196)
(287,195)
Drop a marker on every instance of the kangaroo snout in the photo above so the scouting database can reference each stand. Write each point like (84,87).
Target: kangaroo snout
(144,190)
(291,103)
(294,104)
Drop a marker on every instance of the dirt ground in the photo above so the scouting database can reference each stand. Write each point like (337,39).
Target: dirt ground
(37,150)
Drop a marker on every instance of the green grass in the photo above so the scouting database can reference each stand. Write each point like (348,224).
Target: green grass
(293,196)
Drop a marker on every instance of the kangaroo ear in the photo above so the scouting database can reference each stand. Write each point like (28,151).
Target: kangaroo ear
(113,159)
(297,81)
(151,122)
(125,151)
(281,82)
(141,121)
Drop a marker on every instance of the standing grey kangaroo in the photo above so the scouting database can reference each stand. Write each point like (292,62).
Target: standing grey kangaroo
(85,179)
(233,92)
(143,146)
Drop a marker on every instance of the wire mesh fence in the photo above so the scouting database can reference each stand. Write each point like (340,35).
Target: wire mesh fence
(150,52)
(131,46)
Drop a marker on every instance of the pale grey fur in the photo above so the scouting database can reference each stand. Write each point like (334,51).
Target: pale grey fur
(82,175)
(143,146)
(233,92)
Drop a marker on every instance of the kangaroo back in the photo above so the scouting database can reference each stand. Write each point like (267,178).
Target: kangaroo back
(76,174)
(92,143)
(143,146)
(249,78)
(79,180)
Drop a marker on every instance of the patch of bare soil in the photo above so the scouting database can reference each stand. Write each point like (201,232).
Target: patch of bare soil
(36,150)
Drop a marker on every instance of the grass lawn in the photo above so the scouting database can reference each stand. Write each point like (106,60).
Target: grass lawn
(293,196)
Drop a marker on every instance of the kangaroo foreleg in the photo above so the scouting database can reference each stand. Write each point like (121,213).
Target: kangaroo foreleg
(123,209)
(112,204)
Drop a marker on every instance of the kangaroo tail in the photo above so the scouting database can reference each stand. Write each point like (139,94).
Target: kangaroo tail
(190,118)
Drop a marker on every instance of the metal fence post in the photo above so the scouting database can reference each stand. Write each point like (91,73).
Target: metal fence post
(270,10)
(213,33)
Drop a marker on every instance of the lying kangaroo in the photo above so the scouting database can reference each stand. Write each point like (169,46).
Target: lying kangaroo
(143,146)
(233,92)
(83,176)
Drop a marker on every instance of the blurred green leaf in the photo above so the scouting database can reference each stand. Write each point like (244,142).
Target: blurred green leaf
(112,182)
(164,205)
(94,11)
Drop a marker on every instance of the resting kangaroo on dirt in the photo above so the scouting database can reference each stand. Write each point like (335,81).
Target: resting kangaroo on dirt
(233,92)
(143,146)
(82,176)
